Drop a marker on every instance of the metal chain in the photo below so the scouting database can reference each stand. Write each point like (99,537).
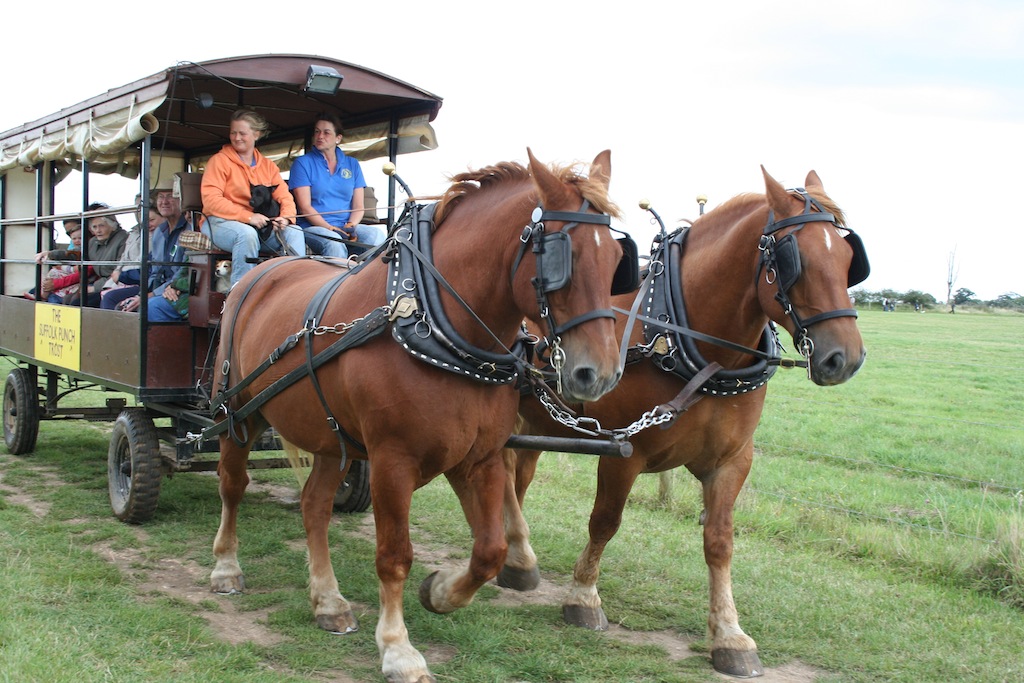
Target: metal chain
(567,419)
(649,419)
(337,328)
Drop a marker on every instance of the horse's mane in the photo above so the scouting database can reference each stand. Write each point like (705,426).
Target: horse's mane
(472,182)
(829,206)
(826,202)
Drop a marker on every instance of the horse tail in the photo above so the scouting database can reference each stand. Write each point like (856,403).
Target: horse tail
(520,421)
(665,485)
(298,459)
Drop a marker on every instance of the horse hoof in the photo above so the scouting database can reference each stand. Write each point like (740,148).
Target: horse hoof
(592,618)
(737,663)
(395,678)
(518,579)
(338,624)
(228,585)
(425,594)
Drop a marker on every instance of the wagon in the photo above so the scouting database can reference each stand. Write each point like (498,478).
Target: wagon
(158,130)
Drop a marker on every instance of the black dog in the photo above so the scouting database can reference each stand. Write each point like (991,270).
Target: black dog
(262,201)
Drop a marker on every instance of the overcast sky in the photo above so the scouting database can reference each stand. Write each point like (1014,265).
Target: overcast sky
(912,112)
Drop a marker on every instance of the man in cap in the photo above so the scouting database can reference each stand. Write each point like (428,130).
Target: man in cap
(164,251)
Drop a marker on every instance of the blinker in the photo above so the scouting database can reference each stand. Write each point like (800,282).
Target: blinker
(554,260)
(787,261)
(627,274)
(556,264)
(860,268)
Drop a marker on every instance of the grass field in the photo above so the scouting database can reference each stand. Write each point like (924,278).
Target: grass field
(879,538)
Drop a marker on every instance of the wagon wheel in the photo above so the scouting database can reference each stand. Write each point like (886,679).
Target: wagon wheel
(354,493)
(21,411)
(134,466)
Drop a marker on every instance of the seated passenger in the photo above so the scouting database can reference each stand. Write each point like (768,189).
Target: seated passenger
(328,188)
(227,189)
(124,281)
(164,250)
(106,244)
(171,305)
(54,285)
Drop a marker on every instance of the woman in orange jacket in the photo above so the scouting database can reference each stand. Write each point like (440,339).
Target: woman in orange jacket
(232,222)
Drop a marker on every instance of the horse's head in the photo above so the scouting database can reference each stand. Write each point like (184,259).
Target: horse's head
(565,272)
(809,260)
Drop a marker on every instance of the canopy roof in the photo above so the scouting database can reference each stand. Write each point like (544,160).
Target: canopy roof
(168,105)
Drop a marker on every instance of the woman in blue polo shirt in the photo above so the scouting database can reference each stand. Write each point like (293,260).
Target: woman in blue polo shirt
(328,190)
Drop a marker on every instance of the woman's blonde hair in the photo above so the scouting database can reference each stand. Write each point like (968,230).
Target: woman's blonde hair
(253,118)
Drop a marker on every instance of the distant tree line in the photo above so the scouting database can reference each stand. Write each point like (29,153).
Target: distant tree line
(915,299)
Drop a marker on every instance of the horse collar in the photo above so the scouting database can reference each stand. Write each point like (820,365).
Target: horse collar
(426,332)
(676,352)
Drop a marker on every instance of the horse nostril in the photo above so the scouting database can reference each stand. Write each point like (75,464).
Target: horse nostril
(835,363)
(584,376)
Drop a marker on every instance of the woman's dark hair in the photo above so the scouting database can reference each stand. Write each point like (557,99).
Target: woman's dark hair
(332,119)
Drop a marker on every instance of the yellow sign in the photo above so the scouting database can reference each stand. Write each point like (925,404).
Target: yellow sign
(58,335)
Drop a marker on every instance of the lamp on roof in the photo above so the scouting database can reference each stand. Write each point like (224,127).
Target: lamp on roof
(322,79)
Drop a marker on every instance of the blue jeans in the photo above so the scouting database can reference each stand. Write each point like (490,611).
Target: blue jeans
(319,240)
(243,242)
(370,234)
(325,242)
(162,311)
(112,297)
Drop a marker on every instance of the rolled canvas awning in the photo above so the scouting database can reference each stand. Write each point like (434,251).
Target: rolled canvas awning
(103,140)
(104,129)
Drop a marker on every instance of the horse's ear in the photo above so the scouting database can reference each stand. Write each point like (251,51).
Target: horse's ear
(778,198)
(601,168)
(813,181)
(547,182)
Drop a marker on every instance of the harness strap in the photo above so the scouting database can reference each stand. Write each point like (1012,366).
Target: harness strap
(689,395)
(363,331)
(631,317)
(575,217)
(315,311)
(838,313)
(700,336)
(225,394)
(580,319)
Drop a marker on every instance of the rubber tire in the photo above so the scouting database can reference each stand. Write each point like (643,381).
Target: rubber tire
(21,411)
(134,467)
(354,493)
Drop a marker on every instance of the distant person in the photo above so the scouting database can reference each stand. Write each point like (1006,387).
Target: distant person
(227,190)
(328,187)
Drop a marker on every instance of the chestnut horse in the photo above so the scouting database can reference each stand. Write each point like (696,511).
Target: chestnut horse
(415,410)
(734,275)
